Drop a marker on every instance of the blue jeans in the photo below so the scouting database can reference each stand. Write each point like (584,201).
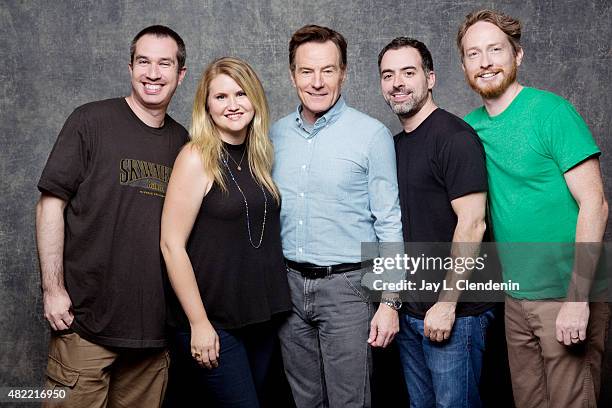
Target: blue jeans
(244,359)
(445,374)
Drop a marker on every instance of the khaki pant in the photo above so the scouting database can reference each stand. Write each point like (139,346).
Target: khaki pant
(95,376)
(546,373)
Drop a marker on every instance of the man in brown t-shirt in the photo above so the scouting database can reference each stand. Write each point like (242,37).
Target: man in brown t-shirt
(97,226)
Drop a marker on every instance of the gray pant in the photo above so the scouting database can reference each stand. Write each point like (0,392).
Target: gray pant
(324,341)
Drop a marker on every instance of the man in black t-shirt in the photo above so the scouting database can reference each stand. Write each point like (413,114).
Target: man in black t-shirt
(442,184)
(97,227)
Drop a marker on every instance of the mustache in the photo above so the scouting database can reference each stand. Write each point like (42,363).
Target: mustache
(488,71)
(400,89)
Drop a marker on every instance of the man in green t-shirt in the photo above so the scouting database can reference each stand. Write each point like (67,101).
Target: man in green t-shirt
(545,189)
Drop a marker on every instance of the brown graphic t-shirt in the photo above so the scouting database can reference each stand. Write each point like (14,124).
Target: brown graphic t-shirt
(113,171)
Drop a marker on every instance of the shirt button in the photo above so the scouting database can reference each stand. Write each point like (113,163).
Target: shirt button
(303,167)
(300,222)
(300,249)
(301,194)
(309,141)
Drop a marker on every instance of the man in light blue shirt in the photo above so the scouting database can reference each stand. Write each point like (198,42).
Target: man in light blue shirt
(335,168)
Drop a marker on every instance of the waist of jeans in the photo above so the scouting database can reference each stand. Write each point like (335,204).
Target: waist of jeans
(312,271)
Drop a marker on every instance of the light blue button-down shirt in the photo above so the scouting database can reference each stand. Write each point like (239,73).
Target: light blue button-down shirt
(338,184)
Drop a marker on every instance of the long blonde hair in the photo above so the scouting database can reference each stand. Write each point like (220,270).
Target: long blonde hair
(205,135)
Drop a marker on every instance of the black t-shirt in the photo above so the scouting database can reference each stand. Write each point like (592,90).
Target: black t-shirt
(239,284)
(441,160)
(113,171)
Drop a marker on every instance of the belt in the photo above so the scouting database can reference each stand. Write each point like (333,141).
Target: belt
(312,271)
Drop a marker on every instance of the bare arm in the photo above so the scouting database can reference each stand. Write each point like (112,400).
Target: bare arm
(187,187)
(50,242)
(585,183)
(470,210)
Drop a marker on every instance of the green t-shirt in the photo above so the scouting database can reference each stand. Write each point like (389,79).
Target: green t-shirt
(529,147)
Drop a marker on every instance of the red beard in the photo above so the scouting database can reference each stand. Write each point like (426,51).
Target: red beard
(492,91)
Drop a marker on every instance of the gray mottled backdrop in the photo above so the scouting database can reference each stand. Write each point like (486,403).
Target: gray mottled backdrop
(57,55)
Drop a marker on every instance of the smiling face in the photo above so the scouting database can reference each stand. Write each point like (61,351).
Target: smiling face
(317,78)
(405,85)
(489,61)
(155,73)
(229,108)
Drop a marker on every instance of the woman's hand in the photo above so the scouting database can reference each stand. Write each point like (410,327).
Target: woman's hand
(205,345)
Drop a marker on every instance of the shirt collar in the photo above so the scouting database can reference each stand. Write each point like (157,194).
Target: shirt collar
(328,118)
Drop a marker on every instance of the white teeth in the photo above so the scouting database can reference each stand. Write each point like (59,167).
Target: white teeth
(152,87)
(488,75)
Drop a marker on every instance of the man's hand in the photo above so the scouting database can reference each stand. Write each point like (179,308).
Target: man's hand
(57,309)
(384,326)
(572,322)
(439,321)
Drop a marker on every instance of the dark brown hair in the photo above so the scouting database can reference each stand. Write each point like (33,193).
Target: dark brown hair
(315,33)
(161,31)
(509,25)
(406,42)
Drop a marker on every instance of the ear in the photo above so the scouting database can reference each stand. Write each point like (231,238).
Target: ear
(343,76)
(292,76)
(431,80)
(130,68)
(181,74)
(519,57)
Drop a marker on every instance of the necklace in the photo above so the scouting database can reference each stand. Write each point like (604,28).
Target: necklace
(237,163)
(246,204)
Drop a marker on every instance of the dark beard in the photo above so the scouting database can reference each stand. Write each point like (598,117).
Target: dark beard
(414,107)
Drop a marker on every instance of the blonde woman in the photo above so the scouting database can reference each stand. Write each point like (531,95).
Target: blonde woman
(220,238)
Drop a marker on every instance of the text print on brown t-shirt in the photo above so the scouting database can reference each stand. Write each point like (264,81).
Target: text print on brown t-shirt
(151,178)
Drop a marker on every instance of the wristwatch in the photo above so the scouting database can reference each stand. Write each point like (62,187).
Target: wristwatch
(394,303)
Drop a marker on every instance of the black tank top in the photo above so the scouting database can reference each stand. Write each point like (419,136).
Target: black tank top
(239,284)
